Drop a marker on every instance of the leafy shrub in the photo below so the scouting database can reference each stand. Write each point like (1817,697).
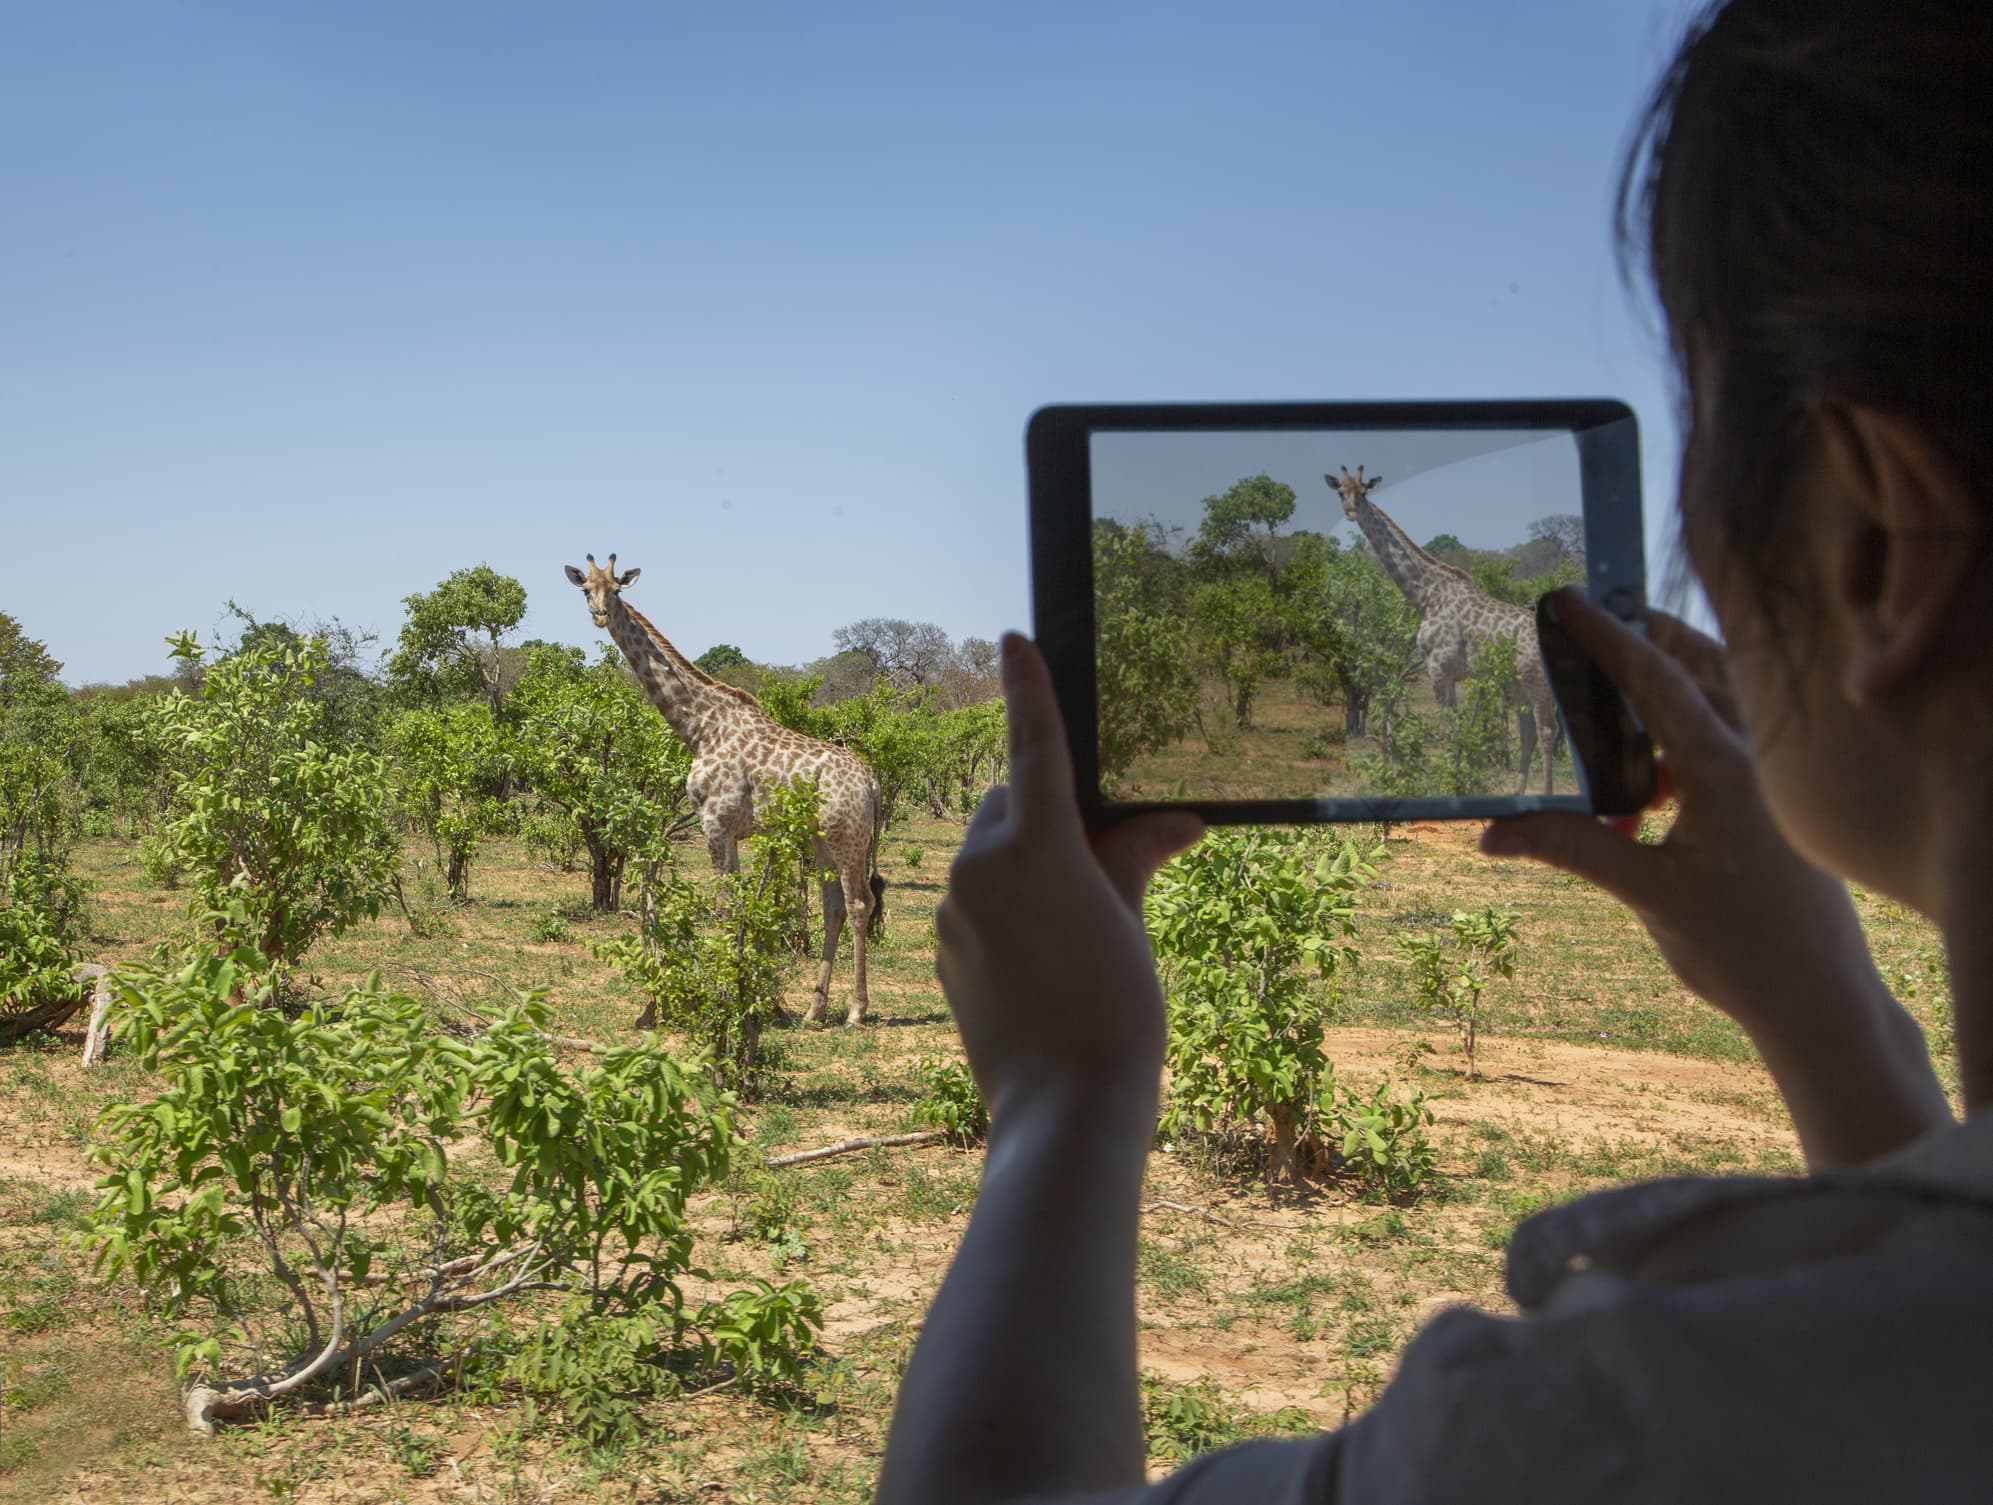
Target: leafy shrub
(298,1195)
(1451,968)
(712,962)
(1234,921)
(1455,751)
(450,765)
(1184,1420)
(912,856)
(762,1334)
(1381,1140)
(268,823)
(42,902)
(36,949)
(596,752)
(952,1104)
(550,835)
(550,925)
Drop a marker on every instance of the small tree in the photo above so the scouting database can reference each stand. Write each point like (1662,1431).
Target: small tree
(453,640)
(902,653)
(711,962)
(23,660)
(297,1197)
(720,656)
(1146,683)
(1236,921)
(41,901)
(595,750)
(1452,968)
(449,763)
(270,824)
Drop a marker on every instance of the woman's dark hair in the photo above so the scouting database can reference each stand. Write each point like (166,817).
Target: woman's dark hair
(1809,190)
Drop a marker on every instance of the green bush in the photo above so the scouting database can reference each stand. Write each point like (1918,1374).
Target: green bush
(953,1103)
(450,764)
(712,962)
(1184,1420)
(550,925)
(1237,922)
(305,1195)
(1381,1140)
(270,825)
(597,753)
(1451,968)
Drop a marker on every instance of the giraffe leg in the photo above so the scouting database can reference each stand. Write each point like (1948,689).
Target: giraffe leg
(833,925)
(1551,735)
(857,899)
(1530,735)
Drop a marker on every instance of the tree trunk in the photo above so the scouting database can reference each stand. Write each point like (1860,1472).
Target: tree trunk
(605,880)
(1356,717)
(1281,1167)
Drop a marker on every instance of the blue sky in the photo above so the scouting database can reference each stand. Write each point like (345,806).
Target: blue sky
(309,304)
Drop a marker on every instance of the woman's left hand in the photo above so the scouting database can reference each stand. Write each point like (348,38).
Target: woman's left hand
(1041,948)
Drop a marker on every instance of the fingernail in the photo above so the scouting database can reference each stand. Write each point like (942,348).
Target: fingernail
(1012,644)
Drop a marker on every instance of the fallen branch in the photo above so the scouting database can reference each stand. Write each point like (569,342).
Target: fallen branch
(430,1376)
(56,1012)
(1211,1217)
(851,1146)
(1202,1212)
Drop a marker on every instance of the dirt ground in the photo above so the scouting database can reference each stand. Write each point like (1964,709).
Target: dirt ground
(1596,1069)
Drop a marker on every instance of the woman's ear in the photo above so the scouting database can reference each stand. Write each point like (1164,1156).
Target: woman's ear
(1900,548)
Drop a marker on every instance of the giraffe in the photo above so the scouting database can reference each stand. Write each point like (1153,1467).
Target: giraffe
(1455,618)
(738,747)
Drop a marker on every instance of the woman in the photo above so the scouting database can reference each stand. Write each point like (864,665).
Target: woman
(1812,187)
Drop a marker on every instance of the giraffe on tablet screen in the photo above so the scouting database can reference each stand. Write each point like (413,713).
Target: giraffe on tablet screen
(1455,618)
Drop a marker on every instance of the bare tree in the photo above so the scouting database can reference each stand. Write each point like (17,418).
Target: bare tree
(1564,529)
(971,673)
(904,653)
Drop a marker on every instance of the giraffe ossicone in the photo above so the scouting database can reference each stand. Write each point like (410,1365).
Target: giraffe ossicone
(738,749)
(1456,618)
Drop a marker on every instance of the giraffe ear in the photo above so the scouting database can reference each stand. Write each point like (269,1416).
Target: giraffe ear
(1373,483)
(627,576)
(575,575)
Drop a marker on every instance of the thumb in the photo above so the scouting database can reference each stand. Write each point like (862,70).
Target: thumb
(1131,851)
(1584,847)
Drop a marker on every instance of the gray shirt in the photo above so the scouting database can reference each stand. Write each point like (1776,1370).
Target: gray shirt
(1704,1339)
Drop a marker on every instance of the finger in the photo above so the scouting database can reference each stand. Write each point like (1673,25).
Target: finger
(1706,660)
(992,811)
(1632,873)
(1665,695)
(1041,765)
(1131,851)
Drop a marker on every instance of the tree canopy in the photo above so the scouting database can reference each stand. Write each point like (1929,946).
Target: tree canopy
(453,640)
(23,660)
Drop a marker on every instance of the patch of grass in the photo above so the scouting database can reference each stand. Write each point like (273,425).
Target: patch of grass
(1169,1272)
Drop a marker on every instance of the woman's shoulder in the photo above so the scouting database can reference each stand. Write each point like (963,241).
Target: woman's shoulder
(1745,1338)
(1694,1230)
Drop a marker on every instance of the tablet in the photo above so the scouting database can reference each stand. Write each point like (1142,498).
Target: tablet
(1328,612)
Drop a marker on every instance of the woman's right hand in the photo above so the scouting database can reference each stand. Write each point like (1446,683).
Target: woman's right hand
(1741,917)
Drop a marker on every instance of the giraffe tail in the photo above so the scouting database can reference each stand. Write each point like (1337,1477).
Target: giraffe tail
(875,923)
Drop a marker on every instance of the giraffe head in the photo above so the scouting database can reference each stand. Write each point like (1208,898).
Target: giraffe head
(599,585)
(1352,489)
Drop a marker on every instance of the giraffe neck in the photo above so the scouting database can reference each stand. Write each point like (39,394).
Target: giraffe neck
(1421,577)
(692,704)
